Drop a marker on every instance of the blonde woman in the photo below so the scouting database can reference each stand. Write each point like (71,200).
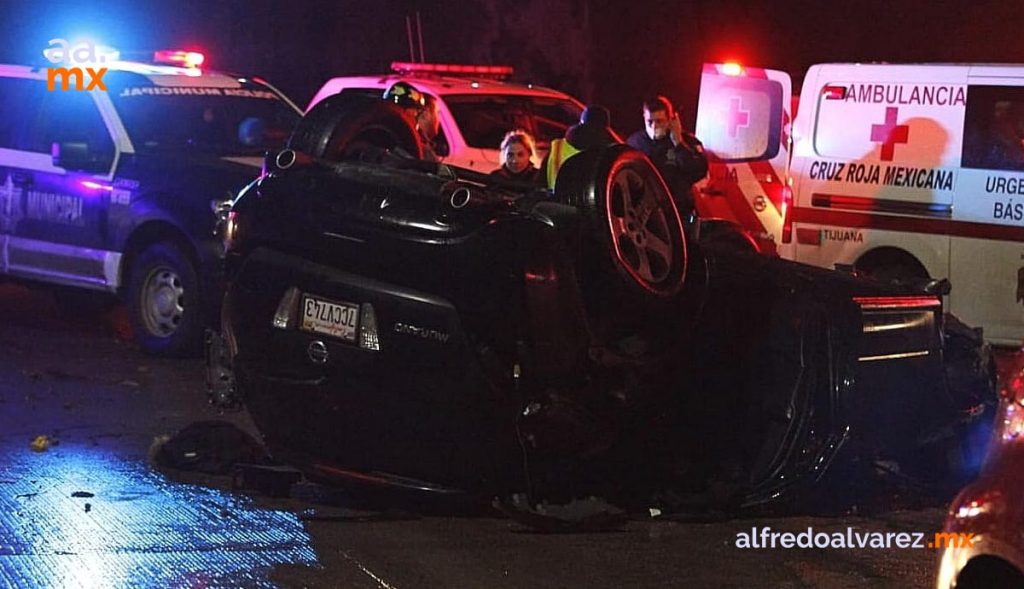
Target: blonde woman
(517,151)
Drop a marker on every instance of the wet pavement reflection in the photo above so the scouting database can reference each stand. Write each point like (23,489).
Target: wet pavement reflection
(82,517)
(92,510)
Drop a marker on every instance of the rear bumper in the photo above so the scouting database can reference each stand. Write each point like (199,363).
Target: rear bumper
(419,406)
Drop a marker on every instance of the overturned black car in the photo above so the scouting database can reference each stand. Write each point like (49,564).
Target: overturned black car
(404,323)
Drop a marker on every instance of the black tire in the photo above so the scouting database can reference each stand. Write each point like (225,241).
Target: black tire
(989,572)
(630,213)
(350,127)
(891,267)
(723,235)
(164,301)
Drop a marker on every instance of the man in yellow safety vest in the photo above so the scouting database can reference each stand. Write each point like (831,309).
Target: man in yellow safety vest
(593,130)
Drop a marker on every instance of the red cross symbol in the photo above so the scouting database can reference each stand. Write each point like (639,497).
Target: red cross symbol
(889,133)
(737,118)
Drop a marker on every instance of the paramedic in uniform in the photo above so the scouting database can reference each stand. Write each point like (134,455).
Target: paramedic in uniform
(677,153)
(422,111)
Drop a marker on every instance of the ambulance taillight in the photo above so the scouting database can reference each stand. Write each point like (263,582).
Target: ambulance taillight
(787,220)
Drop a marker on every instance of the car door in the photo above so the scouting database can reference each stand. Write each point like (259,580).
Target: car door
(743,117)
(987,242)
(65,160)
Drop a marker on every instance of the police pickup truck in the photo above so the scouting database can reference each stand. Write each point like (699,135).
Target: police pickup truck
(116,189)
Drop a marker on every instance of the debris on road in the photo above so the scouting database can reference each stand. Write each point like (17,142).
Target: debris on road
(590,514)
(211,447)
(42,443)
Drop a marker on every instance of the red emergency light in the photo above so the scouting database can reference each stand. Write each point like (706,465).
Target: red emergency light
(452,69)
(189,59)
(732,69)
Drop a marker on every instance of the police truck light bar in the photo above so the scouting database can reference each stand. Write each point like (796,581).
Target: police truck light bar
(452,69)
(189,59)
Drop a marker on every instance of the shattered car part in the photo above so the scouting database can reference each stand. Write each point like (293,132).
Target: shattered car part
(565,345)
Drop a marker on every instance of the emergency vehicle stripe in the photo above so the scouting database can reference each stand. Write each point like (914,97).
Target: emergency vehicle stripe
(735,208)
(882,205)
(769,181)
(857,220)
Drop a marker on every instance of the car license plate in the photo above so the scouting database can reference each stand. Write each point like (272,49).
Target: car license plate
(332,318)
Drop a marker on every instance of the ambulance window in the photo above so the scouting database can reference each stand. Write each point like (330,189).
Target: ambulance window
(740,118)
(842,128)
(994,128)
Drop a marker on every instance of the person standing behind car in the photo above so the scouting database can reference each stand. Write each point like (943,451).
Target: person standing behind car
(517,151)
(677,153)
(428,125)
(421,110)
(593,130)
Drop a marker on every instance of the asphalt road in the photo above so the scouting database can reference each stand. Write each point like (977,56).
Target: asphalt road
(90,510)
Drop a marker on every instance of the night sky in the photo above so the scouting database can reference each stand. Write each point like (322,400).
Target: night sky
(615,53)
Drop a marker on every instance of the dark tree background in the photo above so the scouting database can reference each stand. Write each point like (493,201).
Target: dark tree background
(615,52)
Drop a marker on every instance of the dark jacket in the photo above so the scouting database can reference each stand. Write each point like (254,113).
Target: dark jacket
(530,175)
(681,165)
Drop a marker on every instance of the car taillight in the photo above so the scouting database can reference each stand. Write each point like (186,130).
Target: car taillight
(287,310)
(368,337)
(1013,390)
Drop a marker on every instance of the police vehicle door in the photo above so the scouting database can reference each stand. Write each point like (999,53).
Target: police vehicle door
(987,243)
(21,97)
(743,121)
(66,192)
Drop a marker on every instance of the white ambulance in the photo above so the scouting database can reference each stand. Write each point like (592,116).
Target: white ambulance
(900,171)
(476,107)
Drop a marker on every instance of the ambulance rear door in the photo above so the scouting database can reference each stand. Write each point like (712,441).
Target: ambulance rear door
(743,117)
(987,241)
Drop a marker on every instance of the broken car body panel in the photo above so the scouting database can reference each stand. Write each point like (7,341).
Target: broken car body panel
(490,337)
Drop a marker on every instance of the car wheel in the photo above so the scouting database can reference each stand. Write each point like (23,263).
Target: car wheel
(348,127)
(164,301)
(631,216)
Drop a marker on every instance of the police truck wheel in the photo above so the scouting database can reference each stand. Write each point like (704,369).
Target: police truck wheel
(164,301)
(631,215)
(345,127)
